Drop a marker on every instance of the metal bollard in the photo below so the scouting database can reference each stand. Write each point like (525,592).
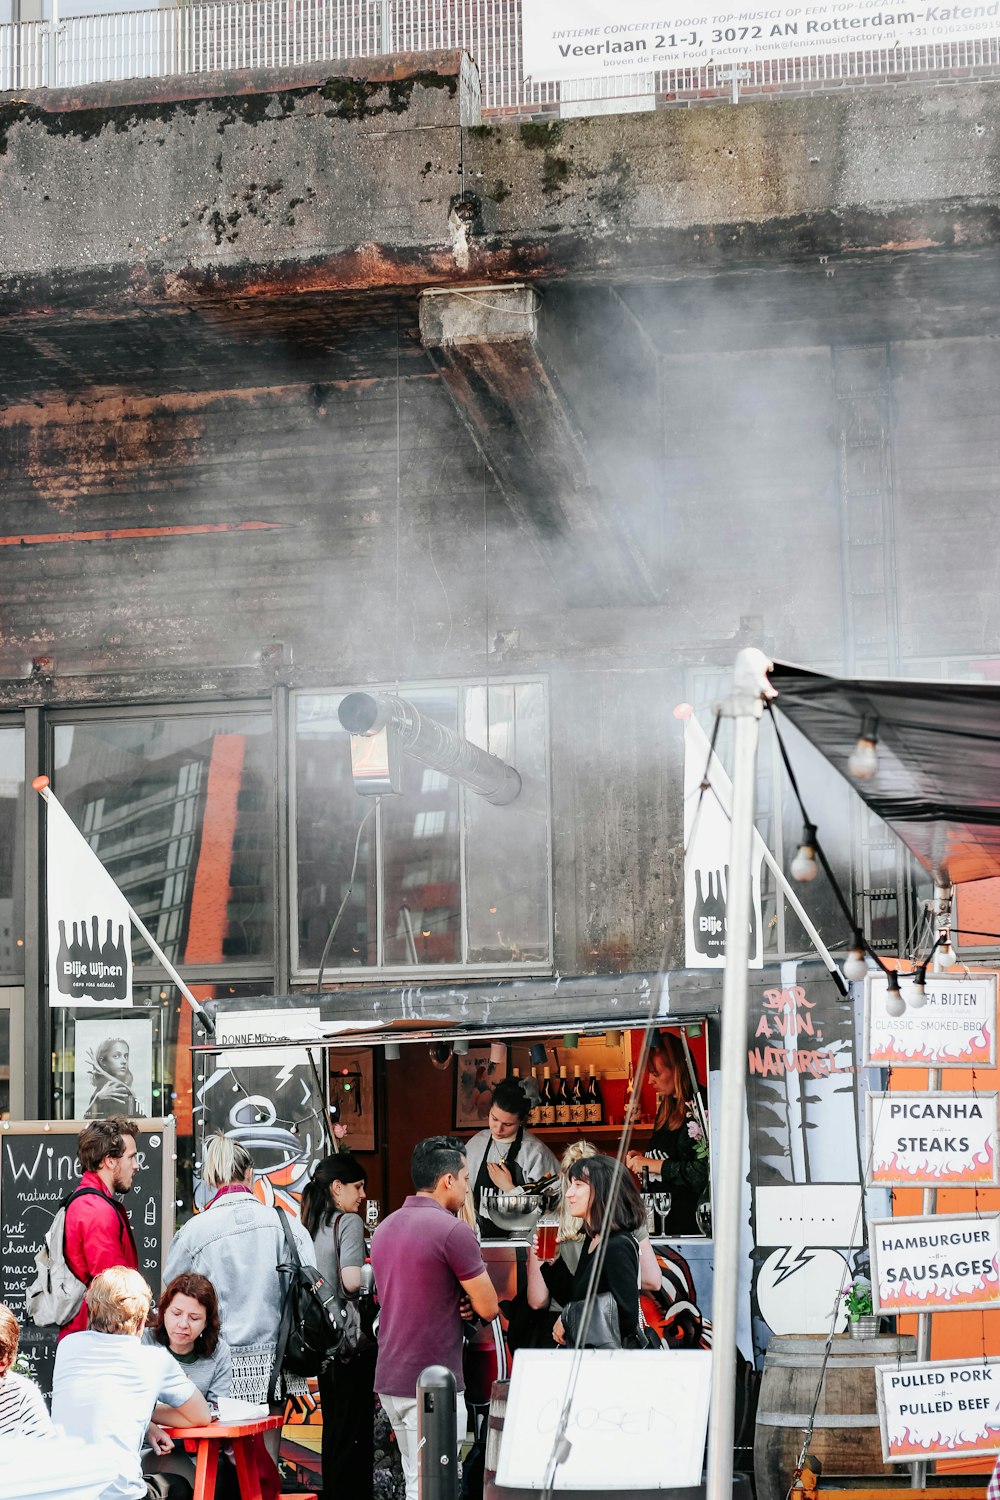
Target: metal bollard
(437,1435)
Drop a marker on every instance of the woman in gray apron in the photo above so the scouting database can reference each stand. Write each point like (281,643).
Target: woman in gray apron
(504,1156)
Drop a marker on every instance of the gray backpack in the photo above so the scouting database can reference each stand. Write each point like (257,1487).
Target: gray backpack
(56,1295)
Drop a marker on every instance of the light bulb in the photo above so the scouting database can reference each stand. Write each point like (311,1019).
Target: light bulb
(944,954)
(863,760)
(894,1003)
(917,998)
(804,865)
(392,1051)
(855,967)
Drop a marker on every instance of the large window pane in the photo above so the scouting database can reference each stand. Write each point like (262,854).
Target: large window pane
(507,847)
(328,828)
(442,877)
(181,813)
(12,851)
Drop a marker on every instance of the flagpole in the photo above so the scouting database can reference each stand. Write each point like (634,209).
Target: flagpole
(41,785)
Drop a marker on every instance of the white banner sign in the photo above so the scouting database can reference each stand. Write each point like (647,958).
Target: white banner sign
(934,1140)
(939,1410)
(942,1263)
(955,1027)
(272,1029)
(706,860)
(89,924)
(566,39)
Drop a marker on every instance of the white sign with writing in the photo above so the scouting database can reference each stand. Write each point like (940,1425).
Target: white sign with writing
(939,1410)
(933,1264)
(564,39)
(272,1029)
(638,1419)
(934,1140)
(955,1027)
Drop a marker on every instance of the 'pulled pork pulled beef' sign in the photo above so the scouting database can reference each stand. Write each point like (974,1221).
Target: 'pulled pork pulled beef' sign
(939,1410)
(955,1027)
(946,1262)
(934,1140)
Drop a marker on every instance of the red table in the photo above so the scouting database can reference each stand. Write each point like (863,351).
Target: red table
(207,1442)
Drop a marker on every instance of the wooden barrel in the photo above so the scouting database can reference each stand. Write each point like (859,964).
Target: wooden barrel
(845,1435)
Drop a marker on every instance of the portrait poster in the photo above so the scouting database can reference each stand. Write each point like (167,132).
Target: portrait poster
(476,1076)
(113,1068)
(352,1090)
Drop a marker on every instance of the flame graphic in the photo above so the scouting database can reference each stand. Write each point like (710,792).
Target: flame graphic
(909,1445)
(978,1170)
(972,1049)
(907,1296)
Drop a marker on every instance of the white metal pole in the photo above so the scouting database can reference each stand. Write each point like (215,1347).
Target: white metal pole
(745,706)
(41,786)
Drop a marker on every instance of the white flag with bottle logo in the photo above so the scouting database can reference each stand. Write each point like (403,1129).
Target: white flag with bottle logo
(89,923)
(706,859)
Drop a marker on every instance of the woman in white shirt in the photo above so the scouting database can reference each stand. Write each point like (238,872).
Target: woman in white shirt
(505,1155)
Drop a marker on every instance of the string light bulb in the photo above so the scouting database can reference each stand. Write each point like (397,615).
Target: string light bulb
(918,990)
(894,1003)
(855,965)
(863,759)
(804,866)
(944,953)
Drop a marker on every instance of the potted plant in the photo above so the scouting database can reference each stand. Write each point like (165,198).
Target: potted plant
(862,1321)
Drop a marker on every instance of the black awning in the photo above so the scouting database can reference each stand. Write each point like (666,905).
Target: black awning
(938,778)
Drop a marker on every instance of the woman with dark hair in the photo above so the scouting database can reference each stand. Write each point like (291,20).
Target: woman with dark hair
(505,1155)
(331,1209)
(187,1323)
(677,1156)
(604,1198)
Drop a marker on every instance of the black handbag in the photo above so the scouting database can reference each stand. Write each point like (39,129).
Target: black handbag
(358,1335)
(602,1329)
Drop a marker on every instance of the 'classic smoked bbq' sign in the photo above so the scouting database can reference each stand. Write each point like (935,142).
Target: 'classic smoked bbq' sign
(929,1264)
(939,1410)
(934,1140)
(956,1027)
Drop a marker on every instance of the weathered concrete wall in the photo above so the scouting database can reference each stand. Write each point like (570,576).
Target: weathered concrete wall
(299,188)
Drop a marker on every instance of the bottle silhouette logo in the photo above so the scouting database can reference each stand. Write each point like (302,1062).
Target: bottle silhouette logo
(88,967)
(709,916)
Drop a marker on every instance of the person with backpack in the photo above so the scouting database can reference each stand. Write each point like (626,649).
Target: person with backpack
(239,1243)
(97,1233)
(331,1209)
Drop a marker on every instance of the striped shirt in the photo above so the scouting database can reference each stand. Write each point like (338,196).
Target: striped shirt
(23,1412)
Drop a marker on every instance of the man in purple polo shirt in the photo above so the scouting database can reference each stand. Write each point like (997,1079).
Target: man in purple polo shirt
(424,1260)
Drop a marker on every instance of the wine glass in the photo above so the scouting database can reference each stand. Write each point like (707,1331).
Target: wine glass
(662,1202)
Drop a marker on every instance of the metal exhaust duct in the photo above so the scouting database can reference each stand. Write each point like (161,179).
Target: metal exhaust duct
(431,743)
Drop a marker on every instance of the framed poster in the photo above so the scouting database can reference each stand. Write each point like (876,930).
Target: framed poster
(113,1068)
(945,1409)
(955,1027)
(352,1089)
(476,1076)
(931,1140)
(935,1264)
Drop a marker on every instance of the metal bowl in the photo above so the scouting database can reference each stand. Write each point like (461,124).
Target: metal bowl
(515,1211)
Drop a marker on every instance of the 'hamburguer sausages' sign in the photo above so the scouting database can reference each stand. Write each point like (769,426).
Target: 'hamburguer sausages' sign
(939,1410)
(925,1265)
(932,1139)
(955,1027)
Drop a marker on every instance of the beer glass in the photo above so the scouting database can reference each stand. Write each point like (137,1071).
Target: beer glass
(547,1237)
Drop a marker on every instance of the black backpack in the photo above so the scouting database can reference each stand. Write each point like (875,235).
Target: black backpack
(313,1318)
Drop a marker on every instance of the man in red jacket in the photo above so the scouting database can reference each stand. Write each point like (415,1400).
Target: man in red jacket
(98,1233)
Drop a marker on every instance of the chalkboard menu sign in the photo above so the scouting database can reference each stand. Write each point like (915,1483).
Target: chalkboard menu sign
(38,1169)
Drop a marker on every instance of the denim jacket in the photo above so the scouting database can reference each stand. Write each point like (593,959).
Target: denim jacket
(237,1243)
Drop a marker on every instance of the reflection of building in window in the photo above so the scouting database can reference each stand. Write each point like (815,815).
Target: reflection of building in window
(442,876)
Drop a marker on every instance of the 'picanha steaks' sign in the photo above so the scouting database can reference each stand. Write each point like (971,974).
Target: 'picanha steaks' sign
(925,1264)
(932,1139)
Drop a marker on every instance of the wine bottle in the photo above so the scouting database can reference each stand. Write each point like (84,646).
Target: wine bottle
(595,1101)
(562,1098)
(578,1099)
(541,1184)
(535,1110)
(547,1109)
